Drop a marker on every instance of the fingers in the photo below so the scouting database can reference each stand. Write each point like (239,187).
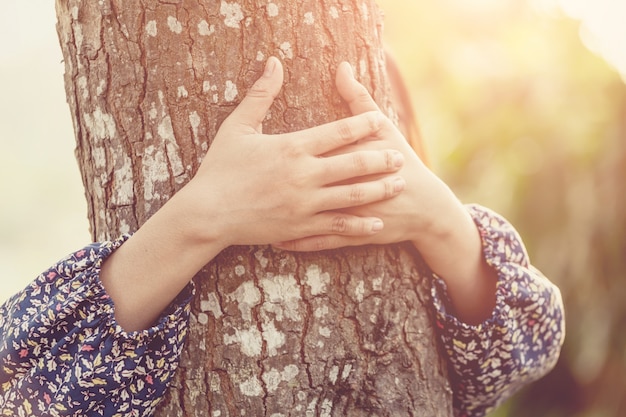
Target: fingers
(330,136)
(358,164)
(330,230)
(359,194)
(316,243)
(254,106)
(353,92)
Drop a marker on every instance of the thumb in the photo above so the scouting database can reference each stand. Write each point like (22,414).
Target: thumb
(254,106)
(353,92)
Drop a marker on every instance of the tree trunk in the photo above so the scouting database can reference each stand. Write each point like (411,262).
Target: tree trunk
(272,333)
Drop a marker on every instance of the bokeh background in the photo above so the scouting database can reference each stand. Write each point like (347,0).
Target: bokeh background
(522,107)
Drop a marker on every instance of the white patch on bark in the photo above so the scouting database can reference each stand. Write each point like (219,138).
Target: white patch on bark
(99,191)
(230,93)
(74,12)
(232,14)
(286,51)
(78,35)
(240,270)
(326,408)
(359,291)
(247,296)
(194,121)
(250,341)
(212,304)
(282,296)
(207,87)
(274,377)
(346,371)
(251,387)
(362,68)
(308,18)
(82,86)
(154,169)
(365,12)
(203,318)
(321,312)
(182,92)
(99,156)
(260,56)
(153,113)
(316,279)
(101,86)
(333,374)
(310,409)
(274,339)
(174,25)
(123,190)
(166,132)
(204,29)
(151,28)
(101,125)
(334,13)
(272,10)
(215,384)
(124,226)
(377,284)
(260,257)
(324,331)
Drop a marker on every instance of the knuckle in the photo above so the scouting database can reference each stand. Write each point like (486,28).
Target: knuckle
(359,162)
(357,194)
(389,188)
(363,96)
(320,243)
(375,120)
(344,131)
(389,160)
(339,224)
(259,89)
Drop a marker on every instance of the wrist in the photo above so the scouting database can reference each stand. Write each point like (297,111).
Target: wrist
(195,219)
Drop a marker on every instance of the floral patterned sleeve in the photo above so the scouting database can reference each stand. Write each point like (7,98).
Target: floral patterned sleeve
(63,354)
(522,339)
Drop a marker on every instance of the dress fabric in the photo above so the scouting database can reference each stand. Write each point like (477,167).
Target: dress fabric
(63,354)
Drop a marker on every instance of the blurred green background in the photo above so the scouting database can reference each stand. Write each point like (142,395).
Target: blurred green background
(517,112)
(519,115)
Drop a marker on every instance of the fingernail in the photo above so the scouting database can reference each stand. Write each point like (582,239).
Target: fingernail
(351,69)
(398,159)
(377,226)
(270,66)
(399,184)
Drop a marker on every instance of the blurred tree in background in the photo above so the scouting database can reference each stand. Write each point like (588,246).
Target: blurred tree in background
(519,116)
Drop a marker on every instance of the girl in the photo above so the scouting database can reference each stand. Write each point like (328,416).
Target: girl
(500,320)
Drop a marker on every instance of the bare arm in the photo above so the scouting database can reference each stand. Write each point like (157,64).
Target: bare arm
(251,189)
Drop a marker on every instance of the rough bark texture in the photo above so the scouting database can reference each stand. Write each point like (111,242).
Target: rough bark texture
(346,332)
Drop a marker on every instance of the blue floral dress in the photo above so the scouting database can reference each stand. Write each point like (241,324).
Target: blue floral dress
(63,354)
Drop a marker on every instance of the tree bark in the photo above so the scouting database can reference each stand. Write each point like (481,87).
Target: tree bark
(345,332)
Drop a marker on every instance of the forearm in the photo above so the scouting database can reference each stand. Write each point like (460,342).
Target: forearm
(146,273)
(452,248)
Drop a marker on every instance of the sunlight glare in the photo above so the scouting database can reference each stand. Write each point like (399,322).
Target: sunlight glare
(603,28)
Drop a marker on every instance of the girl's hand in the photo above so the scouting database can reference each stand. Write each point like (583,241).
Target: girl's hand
(412,214)
(427,214)
(257,189)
